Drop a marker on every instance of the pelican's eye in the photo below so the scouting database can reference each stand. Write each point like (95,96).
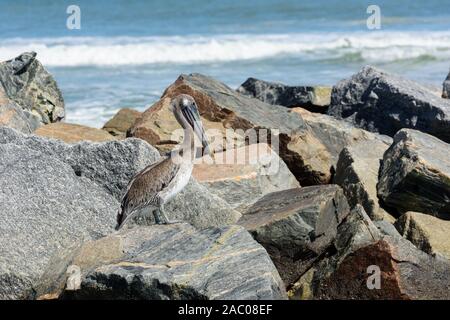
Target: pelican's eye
(185,103)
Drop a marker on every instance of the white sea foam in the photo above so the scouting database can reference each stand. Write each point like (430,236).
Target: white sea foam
(372,47)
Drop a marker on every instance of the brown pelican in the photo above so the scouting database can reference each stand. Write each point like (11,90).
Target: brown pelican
(156,184)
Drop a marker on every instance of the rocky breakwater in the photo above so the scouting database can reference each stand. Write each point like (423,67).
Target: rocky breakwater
(249,230)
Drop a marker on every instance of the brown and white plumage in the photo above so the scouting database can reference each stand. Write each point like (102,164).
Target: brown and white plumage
(156,184)
(141,193)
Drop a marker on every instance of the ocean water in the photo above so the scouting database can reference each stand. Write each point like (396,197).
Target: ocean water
(127,52)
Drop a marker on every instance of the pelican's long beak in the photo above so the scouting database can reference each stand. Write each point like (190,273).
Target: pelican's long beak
(193,117)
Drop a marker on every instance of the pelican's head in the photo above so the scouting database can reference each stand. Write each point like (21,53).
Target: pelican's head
(186,112)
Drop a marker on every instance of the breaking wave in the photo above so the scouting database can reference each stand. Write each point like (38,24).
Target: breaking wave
(370,47)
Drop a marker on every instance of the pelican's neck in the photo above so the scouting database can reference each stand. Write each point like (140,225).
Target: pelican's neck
(188,141)
(187,148)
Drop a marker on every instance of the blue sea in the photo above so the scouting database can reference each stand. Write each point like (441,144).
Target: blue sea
(128,51)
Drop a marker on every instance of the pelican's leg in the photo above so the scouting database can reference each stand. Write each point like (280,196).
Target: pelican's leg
(157,215)
(161,217)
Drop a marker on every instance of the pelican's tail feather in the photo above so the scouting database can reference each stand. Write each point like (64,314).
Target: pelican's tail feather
(122,217)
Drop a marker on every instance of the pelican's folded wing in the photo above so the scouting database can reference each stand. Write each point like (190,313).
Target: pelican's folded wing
(143,189)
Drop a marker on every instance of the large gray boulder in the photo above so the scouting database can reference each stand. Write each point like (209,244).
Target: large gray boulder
(446,88)
(257,171)
(415,174)
(110,165)
(313,98)
(296,226)
(45,207)
(12,115)
(385,103)
(357,173)
(373,261)
(175,262)
(334,135)
(56,195)
(26,82)
(200,207)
